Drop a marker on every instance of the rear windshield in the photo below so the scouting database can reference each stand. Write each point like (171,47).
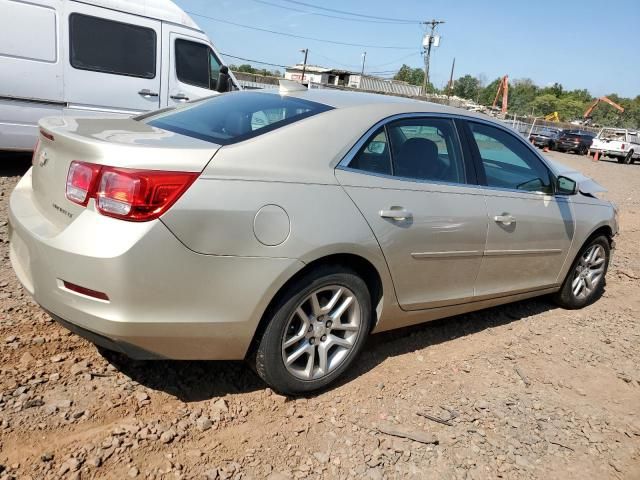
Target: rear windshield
(236,116)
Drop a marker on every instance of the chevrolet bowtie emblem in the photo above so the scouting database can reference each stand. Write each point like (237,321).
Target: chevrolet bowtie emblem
(43,159)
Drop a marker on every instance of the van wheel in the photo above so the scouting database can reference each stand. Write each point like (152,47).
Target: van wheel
(315,331)
(585,281)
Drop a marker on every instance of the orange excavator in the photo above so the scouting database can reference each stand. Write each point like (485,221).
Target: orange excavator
(595,103)
(504,88)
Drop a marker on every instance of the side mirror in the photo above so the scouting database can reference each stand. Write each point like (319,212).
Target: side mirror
(566,186)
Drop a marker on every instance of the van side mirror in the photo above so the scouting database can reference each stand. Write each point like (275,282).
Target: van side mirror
(566,186)
(224,80)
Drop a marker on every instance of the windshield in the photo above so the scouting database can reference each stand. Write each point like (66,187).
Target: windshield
(234,117)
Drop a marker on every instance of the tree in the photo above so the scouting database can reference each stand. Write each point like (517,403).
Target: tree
(522,92)
(467,87)
(246,68)
(488,93)
(413,76)
(545,104)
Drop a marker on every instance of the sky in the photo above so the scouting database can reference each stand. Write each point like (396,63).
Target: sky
(580,44)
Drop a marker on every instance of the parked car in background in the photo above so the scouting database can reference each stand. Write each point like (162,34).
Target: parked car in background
(545,138)
(574,141)
(96,57)
(618,143)
(198,233)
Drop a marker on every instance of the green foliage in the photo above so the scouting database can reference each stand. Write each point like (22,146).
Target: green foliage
(413,76)
(467,87)
(526,98)
(246,68)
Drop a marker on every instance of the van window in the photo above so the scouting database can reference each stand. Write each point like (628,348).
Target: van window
(196,64)
(234,117)
(106,46)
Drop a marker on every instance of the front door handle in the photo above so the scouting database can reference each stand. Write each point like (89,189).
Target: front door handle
(396,213)
(505,219)
(181,97)
(146,93)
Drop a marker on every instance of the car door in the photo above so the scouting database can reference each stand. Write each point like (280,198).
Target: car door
(193,67)
(530,229)
(409,179)
(113,60)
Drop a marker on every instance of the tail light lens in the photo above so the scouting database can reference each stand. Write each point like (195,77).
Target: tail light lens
(140,194)
(623,145)
(81,180)
(35,151)
(134,195)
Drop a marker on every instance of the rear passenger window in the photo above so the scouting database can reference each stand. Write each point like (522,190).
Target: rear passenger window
(106,46)
(374,156)
(426,149)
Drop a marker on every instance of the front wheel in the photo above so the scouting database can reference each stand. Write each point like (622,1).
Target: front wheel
(585,281)
(315,332)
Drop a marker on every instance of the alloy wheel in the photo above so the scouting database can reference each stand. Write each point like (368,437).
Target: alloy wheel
(321,332)
(589,271)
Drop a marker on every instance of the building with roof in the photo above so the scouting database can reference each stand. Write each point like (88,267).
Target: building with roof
(317,74)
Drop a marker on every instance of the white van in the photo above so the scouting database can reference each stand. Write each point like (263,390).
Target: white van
(97,57)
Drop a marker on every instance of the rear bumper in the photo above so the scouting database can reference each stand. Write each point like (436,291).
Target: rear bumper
(609,153)
(165,301)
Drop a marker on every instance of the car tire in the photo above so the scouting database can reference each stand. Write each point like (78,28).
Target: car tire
(585,280)
(628,159)
(328,350)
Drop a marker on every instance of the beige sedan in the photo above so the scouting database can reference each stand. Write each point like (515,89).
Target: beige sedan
(283,227)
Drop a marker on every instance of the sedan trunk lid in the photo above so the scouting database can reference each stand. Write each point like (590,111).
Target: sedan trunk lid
(124,143)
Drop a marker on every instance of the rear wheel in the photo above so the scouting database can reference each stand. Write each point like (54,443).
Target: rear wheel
(628,159)
(585,281)
(315,331)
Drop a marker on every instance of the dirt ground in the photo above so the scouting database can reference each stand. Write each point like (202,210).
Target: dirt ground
(526,390)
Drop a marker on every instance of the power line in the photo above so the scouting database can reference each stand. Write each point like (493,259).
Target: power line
(252,61)
(397,60)
(299,10)
(343,12)
(386,47)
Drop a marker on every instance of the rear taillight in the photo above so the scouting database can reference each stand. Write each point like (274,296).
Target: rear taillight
(139,194)
(135,195)
(35,151)
(623,146)
(81,181)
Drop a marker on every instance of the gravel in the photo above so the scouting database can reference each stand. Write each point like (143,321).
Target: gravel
(521,391)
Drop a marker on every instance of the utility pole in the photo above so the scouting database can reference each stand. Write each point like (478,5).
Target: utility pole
(364,57)
(429,41)
(450,86)
(304,65)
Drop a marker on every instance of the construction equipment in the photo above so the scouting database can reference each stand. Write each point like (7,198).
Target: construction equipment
(504,88)
(552,117)
(594,104)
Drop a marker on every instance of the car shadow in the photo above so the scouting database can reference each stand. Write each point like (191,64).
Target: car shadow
(193,381)
(14,164)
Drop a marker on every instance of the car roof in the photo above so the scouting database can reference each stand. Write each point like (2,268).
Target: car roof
(164,10)
(348,99)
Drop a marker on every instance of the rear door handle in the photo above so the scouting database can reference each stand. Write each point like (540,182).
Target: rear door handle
(396,213)
(181,97)
(145,92)
(505,219)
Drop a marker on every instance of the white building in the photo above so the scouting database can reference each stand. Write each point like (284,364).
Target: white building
(316,74)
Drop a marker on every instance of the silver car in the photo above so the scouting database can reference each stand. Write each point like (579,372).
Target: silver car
(283,227)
